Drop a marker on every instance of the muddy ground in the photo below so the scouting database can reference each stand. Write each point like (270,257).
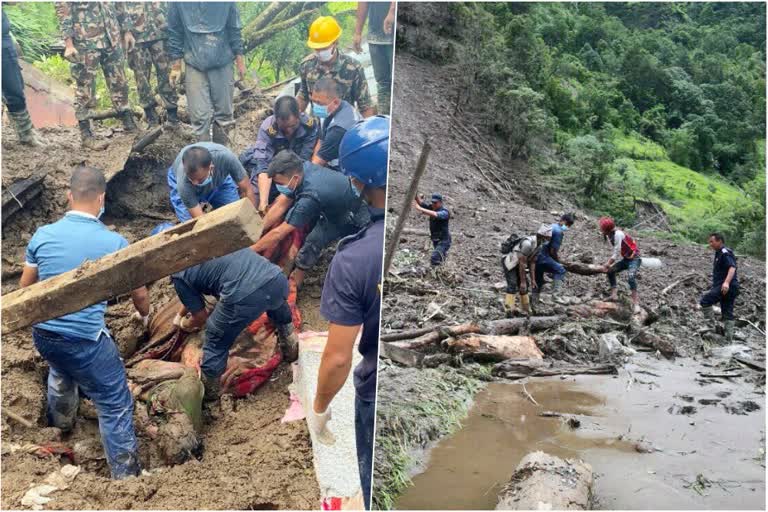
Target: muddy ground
(250,459)
(469,286)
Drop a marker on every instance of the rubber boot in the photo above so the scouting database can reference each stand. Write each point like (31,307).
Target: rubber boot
(87,139)
(289,343)
(635,302)
(557,289)
(221,134)
(212,386)
(151,116)
(510,304)
(534,304)
(525,305)
(173,115)
(25,130)
(729,326)
(129,123)
(126,465)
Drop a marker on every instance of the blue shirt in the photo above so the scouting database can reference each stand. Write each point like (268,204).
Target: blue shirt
(326,192)
(554,243)
(724,260)
(225,163)
(352,296)
(63,246)
(230,278)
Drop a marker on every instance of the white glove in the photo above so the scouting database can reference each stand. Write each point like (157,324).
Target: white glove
(318,423)
(177,320)
(143,319)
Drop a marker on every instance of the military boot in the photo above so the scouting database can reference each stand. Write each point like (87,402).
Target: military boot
(129,123)
(25,130)
(212,386)
(87,139)
(510,304)
(525,304)
(729,326)
(151,116)
(289,343)
(173,115)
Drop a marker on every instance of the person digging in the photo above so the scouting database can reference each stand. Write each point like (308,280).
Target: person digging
(725,286)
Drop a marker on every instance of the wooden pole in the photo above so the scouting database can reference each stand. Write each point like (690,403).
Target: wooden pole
(228,229)
(409,197)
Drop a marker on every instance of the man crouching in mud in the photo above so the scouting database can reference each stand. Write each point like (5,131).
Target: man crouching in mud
(79,350)
(352,296)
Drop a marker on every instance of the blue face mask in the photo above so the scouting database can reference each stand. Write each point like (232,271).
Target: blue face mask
(564,228)
(355,190)
(101,212)
(320,111)
(284,190)
(207,181)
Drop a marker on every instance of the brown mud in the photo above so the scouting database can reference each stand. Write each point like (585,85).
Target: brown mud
(250,460)
(469,287)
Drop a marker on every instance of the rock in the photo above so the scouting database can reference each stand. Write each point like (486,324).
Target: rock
(609,344)
(434,311)
(545,482)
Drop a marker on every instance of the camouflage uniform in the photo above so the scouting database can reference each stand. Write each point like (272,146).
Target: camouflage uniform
(148,24)
(95,31)
(345,70)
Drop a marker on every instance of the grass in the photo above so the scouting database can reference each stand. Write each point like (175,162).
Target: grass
(638,148)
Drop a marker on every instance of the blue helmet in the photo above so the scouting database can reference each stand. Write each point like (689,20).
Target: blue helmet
(161,227)
(364,151)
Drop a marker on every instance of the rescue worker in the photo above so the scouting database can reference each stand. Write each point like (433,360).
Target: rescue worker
(625,256)
(206,172)
(438,226)
(315,197)
(285,129)
(246,285)
(327,60)
(336,117)
(518,262)
(548,260)
(351,296)
(13,90)
(92,39)
(207,37)
(381,42)
(725,285)
(81,354)
(145,37)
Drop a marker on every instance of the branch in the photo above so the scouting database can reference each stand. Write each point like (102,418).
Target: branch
(253,39)
(264,18)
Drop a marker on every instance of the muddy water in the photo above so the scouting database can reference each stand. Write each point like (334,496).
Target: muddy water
(717,438)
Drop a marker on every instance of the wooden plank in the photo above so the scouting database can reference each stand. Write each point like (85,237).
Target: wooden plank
(215,234)
(16,196)
(402,355)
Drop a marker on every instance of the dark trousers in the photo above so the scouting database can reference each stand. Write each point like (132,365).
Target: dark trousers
(381,58)
(13,83)
(325,232)
(228,320)
(95,368)
(365,413)
(631,266)
(440,251)
(546,265)
(513,278)
(715,295)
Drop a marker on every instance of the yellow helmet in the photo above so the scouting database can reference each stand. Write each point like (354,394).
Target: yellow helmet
(323,32)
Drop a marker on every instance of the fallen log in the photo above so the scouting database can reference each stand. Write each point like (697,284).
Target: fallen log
(406,335)
(676,283)
(215,234)
(750,363)
(505,326)
(582,269)
(545,482)
(483,348)
(147,139)
(109,114)
(16,196)
(520,368)
(663,345)
(404,356)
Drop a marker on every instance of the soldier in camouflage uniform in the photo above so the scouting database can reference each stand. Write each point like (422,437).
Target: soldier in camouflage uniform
(327,60)
(145,26)
(92,38)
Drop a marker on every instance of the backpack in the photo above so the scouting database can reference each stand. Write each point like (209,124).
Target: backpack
(509,244)
(629,248)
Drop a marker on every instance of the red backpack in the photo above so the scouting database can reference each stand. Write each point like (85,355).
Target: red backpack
(629,250)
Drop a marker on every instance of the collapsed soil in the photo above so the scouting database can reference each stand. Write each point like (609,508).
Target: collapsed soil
(470,286)
(250,460)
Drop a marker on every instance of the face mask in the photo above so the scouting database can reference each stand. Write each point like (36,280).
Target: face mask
(101,211)
(207,181)
(325,55)
(284,190)
(320,111)
(565,228)
(355,190)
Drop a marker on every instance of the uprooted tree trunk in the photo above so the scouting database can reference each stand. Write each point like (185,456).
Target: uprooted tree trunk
(492,349)
(278,16)
(545,482)
(582,269)
(520,368)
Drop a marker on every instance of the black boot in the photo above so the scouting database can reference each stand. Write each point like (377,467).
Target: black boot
(87,138)
(128,122)
(212,387)
(173,115)
(289,343)
(151,116)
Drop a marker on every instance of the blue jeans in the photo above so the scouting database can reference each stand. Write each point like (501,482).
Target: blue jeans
(365,413)
(631,266)
(440,251)
(715,295)
(225,193)
(546,265)
(228,320)
(95,368)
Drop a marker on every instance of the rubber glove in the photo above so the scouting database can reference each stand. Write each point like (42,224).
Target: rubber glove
(318,422)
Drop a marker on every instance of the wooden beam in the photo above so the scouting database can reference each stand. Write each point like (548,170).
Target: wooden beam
(228,229)
(16,196)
